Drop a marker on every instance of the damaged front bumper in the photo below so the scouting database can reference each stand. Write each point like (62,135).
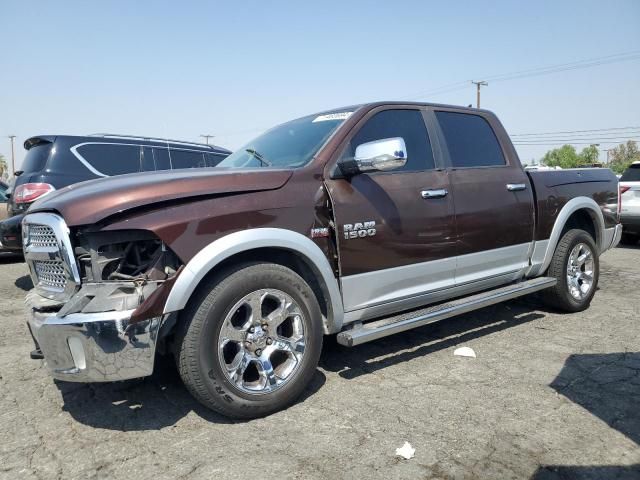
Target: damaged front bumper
(95,347)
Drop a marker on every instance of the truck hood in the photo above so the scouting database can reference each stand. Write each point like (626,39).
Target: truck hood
(91,202)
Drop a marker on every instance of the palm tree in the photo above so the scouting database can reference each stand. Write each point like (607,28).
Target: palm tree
(4,169)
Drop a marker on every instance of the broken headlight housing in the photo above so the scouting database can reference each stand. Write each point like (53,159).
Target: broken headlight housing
(119,270)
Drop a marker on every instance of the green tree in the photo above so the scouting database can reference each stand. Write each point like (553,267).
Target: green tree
(589,155)
(564,157)
(567,157)
(4,169)
(623,155)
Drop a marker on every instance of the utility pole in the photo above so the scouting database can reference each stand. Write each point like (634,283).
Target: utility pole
(479,84)
(13,155)
(207,137)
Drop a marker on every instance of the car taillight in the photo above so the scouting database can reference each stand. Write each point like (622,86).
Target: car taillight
(28,192)
(621,190)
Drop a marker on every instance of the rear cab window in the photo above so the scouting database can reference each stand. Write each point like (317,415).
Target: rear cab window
(631,174)
(470,140)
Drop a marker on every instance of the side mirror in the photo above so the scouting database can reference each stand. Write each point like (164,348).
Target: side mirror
(379,155)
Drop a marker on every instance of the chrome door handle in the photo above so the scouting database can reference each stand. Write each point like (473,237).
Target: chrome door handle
(439,193)
(515,187)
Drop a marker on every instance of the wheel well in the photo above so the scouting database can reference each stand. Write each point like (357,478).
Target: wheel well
(581,219)
(287,258)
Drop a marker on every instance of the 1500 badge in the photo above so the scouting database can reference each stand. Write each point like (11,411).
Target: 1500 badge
(359,230)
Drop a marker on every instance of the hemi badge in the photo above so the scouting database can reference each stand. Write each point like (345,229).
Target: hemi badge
(319,232)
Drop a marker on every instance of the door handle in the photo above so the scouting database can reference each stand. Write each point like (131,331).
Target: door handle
(516,187)
(438,193)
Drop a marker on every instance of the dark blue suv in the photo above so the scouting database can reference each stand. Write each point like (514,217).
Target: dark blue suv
(56,161)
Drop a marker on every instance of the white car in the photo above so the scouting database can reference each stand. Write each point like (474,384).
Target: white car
(630,203)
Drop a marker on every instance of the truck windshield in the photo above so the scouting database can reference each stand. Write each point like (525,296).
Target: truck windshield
(292,144)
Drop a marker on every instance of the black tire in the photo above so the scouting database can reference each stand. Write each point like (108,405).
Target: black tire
(202,321)
(628,239)
(560,297)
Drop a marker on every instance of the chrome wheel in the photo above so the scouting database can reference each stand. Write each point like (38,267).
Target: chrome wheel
(580,271)
(261,341)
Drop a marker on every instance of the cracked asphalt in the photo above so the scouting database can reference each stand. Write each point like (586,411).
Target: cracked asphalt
(549,396)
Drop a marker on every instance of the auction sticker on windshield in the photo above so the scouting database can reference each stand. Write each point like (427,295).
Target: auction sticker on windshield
(332,116)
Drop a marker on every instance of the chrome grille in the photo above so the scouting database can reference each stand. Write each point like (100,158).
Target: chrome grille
(50,273)
(42,236)
(49,254)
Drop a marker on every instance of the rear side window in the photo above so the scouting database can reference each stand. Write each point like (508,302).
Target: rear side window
(161,158)
(186,159)
(631,174)
(470,140)
(36,158)
(213,159)
(407,124)
(112,159)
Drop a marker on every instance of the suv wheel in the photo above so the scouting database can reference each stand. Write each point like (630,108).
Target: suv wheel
(251,340)
(576,266)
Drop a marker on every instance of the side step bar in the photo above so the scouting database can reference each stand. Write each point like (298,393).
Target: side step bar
(417,318)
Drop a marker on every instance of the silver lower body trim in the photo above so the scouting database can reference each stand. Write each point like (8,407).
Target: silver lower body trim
(408,320)
(612,237)
(102,347)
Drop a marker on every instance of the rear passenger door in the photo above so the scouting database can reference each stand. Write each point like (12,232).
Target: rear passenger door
(492,197)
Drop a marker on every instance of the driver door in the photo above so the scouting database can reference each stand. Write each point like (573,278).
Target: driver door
(404,244)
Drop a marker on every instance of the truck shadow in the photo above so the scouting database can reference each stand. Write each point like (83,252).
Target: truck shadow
(24,283)
(9,257)
(608,386)
(161,400)
(354,362)
(151,403)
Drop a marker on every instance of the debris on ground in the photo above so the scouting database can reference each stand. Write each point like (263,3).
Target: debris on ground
(406,451)
(465,352)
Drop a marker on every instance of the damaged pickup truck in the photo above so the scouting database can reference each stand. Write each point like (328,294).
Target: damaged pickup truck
(364,221)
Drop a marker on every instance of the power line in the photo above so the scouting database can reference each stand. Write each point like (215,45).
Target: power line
(570,139)
(572,131)
(587,63)
(565,142)
(550,69)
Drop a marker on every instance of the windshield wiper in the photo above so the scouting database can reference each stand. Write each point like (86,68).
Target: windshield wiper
(258,156)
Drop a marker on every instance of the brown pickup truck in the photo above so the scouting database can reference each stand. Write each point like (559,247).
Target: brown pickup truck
(363,221)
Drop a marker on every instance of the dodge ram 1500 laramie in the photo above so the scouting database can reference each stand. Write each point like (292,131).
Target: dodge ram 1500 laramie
(363,221)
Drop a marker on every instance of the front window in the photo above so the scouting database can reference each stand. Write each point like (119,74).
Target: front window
(292,144)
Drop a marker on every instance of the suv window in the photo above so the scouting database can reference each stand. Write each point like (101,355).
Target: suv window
(213,159)
(470,140)
(186,159)
(407,124)
(112,159)
(36,158)
(631,174)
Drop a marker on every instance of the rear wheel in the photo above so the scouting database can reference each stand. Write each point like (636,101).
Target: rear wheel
(251,341)
(576,267)
(629,239)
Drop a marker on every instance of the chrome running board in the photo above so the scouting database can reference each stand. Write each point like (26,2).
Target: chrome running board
(417,318)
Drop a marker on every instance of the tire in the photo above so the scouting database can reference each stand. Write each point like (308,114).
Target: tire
(223,354)
(628,239)
(571,293)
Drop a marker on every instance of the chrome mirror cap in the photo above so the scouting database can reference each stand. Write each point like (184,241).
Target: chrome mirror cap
(381,155)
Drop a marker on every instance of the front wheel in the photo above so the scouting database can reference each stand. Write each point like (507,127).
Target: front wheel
(575,265)
(251,341)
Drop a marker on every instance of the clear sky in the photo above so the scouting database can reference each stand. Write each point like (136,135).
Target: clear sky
(231,69)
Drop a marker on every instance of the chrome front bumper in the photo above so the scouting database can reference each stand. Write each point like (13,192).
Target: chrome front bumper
(97,347)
